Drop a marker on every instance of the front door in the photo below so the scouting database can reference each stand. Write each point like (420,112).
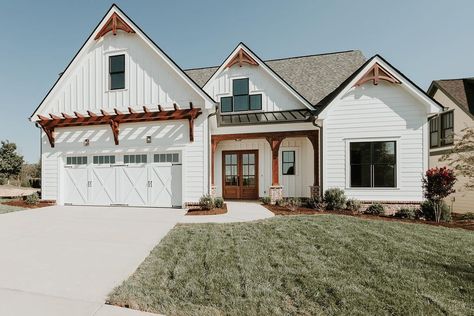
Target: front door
(240,174)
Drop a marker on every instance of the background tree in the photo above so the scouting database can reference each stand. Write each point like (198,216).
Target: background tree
(438,184)
(30,175)
(10,161)
(461,157)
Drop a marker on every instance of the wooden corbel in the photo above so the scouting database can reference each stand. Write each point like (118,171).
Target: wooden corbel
(50,133)
(115,130)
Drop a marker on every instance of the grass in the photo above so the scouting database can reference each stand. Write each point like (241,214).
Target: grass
(306,265)
(7,208)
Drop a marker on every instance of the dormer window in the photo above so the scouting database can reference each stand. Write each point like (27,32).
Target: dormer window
(241,100)
(117,72)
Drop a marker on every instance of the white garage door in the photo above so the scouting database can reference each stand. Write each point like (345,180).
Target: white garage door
(135,180)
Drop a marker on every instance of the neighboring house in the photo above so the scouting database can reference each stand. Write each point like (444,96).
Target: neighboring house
(125,125)
(457,96)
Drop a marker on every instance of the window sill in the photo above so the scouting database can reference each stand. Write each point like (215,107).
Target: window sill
(372,189)
(116,90)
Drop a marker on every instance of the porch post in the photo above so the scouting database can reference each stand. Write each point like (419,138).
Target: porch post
(276,190)
(314,139)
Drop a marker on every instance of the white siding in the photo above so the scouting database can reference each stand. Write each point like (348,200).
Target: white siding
(275,97)
(149,80)
(385,111)
(166,136)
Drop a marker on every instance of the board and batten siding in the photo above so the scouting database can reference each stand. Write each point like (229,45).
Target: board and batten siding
(149,80)
(382,112)
(171,136)
(274,96)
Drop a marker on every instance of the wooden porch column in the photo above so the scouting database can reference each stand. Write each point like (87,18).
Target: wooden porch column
(275,142)
(314,139)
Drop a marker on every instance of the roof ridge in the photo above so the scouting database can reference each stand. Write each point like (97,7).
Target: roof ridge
(453,79)
(286,58)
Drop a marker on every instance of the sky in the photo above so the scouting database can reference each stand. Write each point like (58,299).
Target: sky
(426,40)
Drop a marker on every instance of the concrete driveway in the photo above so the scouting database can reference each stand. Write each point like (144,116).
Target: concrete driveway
(65,260)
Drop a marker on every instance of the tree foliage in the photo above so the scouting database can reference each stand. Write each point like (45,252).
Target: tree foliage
(461,157)
(10,161)
(438,184)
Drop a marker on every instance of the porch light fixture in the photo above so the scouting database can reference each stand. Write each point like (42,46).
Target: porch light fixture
(148,139)
(86,142)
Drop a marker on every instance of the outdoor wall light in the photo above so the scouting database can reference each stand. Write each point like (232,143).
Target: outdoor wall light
(86,142)
(148,139)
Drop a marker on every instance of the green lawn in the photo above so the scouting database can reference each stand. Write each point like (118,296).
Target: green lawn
(7,208)
(306,265)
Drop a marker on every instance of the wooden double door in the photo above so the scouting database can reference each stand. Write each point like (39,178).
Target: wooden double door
(240,174)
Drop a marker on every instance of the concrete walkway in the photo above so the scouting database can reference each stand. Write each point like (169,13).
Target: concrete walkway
(66,260)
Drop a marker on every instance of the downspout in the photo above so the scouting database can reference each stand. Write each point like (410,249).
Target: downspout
(320,149)
(209,149)
(41,157)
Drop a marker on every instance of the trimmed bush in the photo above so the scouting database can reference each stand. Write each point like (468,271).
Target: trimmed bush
(408,213)
(353,205)
(32,199)
(219,202)
(375,209)
(469,216)
(315,203)
(428,211)
(293,203)
(281,202)
(206,202)
(335,199)
(265,200)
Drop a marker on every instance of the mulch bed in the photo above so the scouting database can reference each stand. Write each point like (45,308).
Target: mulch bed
(21,203)
(456,222)
(216,211)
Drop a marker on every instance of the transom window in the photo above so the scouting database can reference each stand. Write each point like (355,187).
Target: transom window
(135,158)
(174,158)
(117,72)
(107,159)
(442,130)
(373,164)
(241,100)
(288,162)
(76,160)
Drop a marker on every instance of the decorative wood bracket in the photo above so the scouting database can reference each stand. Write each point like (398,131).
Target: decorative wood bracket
(114,23)
(375,74)
(115,130)
(240,58)
(50,133)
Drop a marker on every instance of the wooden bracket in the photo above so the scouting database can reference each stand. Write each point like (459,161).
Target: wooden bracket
(115,130)
(50,134)
(375,74)
(114,23)
(240,58)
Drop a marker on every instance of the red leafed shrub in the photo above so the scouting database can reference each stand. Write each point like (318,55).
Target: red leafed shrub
(438,184)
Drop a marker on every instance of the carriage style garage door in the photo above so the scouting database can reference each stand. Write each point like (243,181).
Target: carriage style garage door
(135,181)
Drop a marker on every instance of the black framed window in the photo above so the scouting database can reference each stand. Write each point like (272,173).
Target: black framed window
(135,158)
(241,100)
(288,162)
(117,72)
(442,130)
(76,160)
(373,164)
(434,132)
(173,158)
(99,160)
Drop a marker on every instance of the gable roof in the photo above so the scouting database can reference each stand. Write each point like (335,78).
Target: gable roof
(394,72)
(312,76)
(460,91)
(115,10)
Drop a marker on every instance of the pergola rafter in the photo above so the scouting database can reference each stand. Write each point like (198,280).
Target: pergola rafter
(116,118)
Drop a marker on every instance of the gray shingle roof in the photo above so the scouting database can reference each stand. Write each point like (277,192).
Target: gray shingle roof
(313,77)
(460,90)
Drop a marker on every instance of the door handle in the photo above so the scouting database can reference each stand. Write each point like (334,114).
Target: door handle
(150,184)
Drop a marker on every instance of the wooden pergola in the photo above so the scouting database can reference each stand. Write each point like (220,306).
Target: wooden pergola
(274,139)
(116,118)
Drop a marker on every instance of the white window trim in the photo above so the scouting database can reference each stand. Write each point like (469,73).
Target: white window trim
(347,159)
(107,56)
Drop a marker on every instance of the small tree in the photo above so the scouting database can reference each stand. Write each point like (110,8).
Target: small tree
(10,161)
(438,184)
(461,156)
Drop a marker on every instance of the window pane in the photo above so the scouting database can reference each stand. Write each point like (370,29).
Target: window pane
(288,156)
(434,139)
(360,176)
(132,158)
(144,158)
(256,102)
(107,159)
(384,152)
(95,160)
(240,86)
(169,157)
(245,159)
(117,81)
(101,159)
(126,159)
(117,63)
(156,158)
(112,159)
(226,104)
(175,157)
(384,176)
(251,159)
(360,153)
(288,168)
(241,103)
(74,160)
(68,160)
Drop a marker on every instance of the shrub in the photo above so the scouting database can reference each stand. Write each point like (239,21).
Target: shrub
(32,199)
(206,202)
(428,211)
(293,203)
(404,212)
(335,199)
(315,203)
(468,216)
(219,202)
(375,209)
(437,185)
(280,202)
(266,200)
(353,205)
